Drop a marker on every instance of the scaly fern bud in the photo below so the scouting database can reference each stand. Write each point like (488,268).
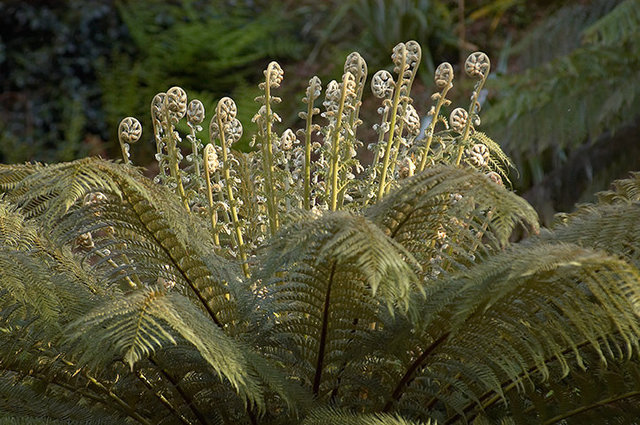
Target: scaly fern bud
(458,120)
(129,132)
(176,101)
(477,65)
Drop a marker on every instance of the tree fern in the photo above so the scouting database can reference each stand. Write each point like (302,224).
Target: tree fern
(234,289)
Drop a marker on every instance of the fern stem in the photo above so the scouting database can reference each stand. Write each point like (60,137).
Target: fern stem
(307,155)
(213,215)
(126,407)
(232,202)
(335,146)
(467,125)
(432,126)
(188,401)
(162,398)
(409,374)
(595,405)
(267,160)
(172,152)
(130,282)
(376,157)
(392,127)
(396,146)
(323,332)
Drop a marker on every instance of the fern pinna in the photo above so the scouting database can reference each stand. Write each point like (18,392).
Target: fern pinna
(295,284)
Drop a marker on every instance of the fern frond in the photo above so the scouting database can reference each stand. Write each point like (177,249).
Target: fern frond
(622,22)
(325,281)
(595,395)
(52,190)
(148,217)
(610,224)
(451,206)
(32,404)
(548,303)
(334,416)
(12,175)
(136,325)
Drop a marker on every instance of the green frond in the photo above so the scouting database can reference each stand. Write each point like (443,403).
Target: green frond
(12,175)
(564,103)
(38,275)
(140,229)
(611,228)
(597,395)
(135,325)
(451,207)
(549,305)
(334,416)
(51,190)
(32,404)
(610,224)
(346,240)
(565,26)
(622,22)
(325,281)
(624,190)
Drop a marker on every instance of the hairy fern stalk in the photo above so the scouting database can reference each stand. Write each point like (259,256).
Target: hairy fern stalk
(295,284)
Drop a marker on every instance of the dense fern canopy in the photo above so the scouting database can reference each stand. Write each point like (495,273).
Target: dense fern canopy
(262,288)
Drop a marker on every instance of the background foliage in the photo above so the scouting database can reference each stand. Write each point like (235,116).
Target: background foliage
(72,69)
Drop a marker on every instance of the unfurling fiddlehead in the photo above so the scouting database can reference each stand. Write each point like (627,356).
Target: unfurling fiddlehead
(129,132)
(476,66)
(313,92)
(227,129)
(444,81)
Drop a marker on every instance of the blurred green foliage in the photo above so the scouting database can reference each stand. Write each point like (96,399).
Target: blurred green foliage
(567,81)
(569,96)
(49,102)
(214,48)
(374,27)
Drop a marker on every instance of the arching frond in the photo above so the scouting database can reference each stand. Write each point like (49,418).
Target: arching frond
(136,325)
(51,190)
(12,175)
(622,22)
(450,213)
(611,224)
(594,395)
(324,281)
(548,305)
